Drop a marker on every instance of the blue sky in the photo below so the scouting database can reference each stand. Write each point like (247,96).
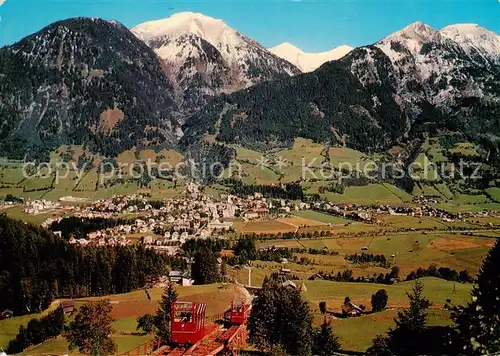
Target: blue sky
(313,25)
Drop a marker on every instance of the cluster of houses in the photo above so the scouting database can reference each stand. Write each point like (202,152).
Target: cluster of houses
(369,213)
(167,224)
(35,207)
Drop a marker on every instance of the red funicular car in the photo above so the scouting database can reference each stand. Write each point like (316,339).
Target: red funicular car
(239,312)
(188,322)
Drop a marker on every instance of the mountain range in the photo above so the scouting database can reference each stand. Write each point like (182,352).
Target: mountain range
(372,98)
(173,81)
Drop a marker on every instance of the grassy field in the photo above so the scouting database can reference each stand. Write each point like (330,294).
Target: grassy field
(408,222)
(321,217)
(246,155)
(340,156)
(263,227)
(410,251)
(437,290)
(370,194)
(88,183)
(303,149)
(356,334)
(59,345)
(17,212)
(459,207)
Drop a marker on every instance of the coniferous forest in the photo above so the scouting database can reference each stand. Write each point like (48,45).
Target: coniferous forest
(36,267)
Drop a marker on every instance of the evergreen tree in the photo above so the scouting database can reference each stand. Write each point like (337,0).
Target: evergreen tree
(90,332)
(206,267)
(407,338)
(278,350)
(379,300)
(280,316)
(146,323)
(325,343)
(380,347)
(246,246)
(163,314)
(410,324)
(322,307)
(478,323)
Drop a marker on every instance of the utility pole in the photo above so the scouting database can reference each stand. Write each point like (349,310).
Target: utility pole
(249,275)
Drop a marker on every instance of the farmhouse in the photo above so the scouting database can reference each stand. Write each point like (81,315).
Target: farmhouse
(351,310)
(7,313)
(289,284)
(180,277)
(68,306)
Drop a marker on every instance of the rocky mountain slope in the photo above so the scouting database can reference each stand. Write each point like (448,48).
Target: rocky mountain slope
(83,81)
(307,62)
(204,57)
(412,81)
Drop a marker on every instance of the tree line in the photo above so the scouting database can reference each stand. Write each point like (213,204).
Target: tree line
(377,259)
(348,276)
(80,227)
(291,191)
(443,273)
(37,331)
(289,235)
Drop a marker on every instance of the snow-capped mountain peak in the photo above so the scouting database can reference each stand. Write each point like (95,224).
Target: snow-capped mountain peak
(423,57)
(475,40)
(414,36)
(307,62)
(204,56)
(286,48)
(467,32)
(212,30)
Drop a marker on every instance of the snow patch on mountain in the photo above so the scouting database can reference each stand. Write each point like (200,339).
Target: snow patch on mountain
(475,40)
(428,64)
(308,62)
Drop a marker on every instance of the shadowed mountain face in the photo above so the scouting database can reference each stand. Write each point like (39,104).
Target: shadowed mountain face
(83,81)
(412,81)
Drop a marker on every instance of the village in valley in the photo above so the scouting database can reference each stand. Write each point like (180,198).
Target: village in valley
(308,246)
(167,224)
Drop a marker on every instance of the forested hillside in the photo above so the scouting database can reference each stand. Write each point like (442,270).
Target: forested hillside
(36,267)
(322,105)
(83,81)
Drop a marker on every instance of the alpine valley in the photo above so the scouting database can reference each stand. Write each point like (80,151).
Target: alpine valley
(174,187)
